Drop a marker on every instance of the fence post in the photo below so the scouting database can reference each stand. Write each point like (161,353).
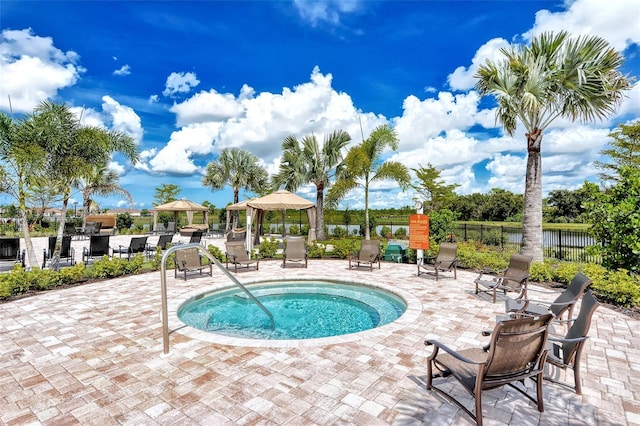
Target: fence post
(560,244)
(502,237)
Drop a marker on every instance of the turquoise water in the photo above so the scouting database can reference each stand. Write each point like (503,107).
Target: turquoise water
(301,310)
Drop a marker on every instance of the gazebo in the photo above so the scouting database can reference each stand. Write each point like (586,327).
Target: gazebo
(182,205)
(279,200)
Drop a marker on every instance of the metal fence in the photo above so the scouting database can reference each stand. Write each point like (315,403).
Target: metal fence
(560,244)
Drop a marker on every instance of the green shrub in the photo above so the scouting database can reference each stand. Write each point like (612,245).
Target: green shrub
(123,221)
(315,250)
(343,248)
(541,271)
(216,252)
(339,232)
(385,232)
(401,233)
(294,230)
(115,267)
(268,248)
(563,272)
(618,288)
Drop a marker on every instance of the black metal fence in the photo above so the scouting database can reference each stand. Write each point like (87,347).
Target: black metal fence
(561,244)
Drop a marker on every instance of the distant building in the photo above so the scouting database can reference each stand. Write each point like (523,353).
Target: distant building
(132,212)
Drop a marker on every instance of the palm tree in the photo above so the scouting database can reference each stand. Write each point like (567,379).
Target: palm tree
(363,165)
(237,168)
(557,76)
(100,181)
(305,161)
(75,150)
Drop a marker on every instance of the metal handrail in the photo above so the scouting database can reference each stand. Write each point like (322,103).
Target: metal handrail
(163,287)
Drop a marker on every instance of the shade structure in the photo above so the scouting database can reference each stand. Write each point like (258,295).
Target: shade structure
(182,205)
(279,200)
(242,205)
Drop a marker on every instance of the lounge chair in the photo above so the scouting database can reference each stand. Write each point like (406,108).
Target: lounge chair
(565,353)
(67,252)
(237,254)
(445,261)
(368,255)
(164,241)
(517,351)
(171,228)
(10,254)
(196,237)
(295,250)
(514,278)
(70,229)
(98,247)
(564,303)
(189,260)
(159,229)
(136,245)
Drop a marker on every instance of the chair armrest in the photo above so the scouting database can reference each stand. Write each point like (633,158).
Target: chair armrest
(565,340)
(450,351)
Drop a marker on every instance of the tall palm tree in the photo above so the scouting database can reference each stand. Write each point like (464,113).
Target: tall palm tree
(237,168)
(102,181)
(74,150)
(363,165)
(576,78)
(306,161)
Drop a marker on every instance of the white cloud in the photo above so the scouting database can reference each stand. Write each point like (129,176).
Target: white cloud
(207,106)
(153,99)
(123,70)
(180,82)
(33,69)
(123,118)
(325,11)
(463,78)
(618,22)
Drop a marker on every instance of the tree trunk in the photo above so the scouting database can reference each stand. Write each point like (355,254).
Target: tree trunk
(31,254)
(320,235)
(55,258)
(532,212)
(367,232)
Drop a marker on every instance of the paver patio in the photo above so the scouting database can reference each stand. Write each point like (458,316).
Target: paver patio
(92,354)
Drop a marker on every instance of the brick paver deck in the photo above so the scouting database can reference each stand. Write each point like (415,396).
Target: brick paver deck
(93,354)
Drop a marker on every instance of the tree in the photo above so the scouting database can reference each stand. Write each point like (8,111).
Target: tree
(23,160)
(615,218)
(557,76)
(435,193)
(99,180)
(305,161)
(624,150)
(363,165)
(237,168)
(166,193)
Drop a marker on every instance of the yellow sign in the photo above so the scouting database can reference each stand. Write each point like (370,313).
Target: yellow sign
(419,231)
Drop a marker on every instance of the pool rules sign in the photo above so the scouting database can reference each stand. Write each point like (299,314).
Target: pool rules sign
(419,231)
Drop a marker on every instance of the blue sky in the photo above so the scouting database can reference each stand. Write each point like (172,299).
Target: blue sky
(188,79)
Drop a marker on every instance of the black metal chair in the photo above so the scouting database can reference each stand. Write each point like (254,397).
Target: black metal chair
(67,252)
(98,247)
(136,245)
(164,241)
(10,254)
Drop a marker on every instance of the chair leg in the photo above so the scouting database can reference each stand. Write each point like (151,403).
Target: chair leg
(539,392)
(478,406)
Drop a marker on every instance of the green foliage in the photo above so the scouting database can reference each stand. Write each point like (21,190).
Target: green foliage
(618,288)
(441,224)
(624,150)
(343,248)
(166,193)
(477,256)
(385,232)
(339,232)
(401,233)
(294,230)
(541,271)
(615,218)
(316,251)
(123,221)
(115,267)
(432,190)
(268,248)
(216,252)
(19,281)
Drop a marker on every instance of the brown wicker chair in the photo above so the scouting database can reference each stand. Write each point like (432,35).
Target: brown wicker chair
(294,251)
(189,260)
(517,351)
(514,278)
(565,353)
(237,254)
(564,303)
(446,261)
(368,255)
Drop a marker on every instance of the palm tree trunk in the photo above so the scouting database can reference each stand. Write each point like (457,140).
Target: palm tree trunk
(31,254)
(320,212)
(532,213)
(367,232)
